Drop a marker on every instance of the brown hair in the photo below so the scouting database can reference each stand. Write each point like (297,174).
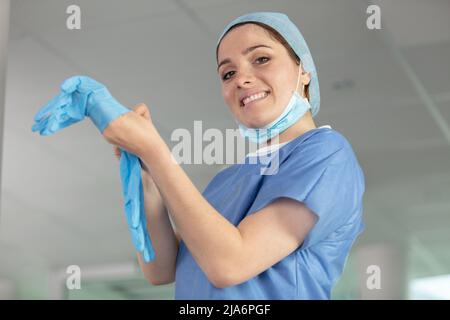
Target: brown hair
(275,35)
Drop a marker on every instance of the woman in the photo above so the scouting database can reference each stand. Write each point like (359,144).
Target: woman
(252,236)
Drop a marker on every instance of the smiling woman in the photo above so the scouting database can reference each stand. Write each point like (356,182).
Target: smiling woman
(296,226)
(283,233)
(277,72)
(274,35)
(253,234)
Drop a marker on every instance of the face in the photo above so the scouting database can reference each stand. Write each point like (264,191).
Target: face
(258,75)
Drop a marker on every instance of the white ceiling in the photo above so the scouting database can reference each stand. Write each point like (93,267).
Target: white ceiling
(61,197)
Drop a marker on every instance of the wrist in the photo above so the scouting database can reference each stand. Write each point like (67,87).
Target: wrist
(155,151)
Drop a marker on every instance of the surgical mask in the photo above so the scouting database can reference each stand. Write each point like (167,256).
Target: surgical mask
(294,110)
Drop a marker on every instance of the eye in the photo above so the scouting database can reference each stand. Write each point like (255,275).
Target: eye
(262,60)
(226,77)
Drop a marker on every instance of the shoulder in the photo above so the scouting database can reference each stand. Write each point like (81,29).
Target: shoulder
(319,144)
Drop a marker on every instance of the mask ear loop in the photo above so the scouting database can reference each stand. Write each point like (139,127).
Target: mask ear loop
(298,77)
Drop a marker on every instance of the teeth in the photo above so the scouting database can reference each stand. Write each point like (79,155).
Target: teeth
(254,97)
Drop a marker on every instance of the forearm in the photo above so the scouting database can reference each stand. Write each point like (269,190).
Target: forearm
(165,244)
(213,241)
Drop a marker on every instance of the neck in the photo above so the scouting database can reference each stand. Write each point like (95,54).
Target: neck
(303,125)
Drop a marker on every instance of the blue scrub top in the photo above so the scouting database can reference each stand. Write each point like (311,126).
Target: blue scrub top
(319,169)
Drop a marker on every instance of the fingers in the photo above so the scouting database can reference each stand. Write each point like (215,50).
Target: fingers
(117,152)
(142,110)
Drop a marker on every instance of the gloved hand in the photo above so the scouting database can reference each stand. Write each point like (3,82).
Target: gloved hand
(82,96)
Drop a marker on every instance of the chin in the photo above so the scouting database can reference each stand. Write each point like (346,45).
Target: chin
(255,123)
(258,119)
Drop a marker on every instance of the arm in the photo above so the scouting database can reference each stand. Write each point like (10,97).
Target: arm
(227,254)
(164,238)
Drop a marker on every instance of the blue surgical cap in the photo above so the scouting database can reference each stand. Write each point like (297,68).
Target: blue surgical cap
(289,31)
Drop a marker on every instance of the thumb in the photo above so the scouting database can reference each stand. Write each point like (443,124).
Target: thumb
(142,110)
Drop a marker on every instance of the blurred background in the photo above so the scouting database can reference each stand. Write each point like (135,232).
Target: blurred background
(387,90)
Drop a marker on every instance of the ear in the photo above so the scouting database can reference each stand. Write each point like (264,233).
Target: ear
(305,78)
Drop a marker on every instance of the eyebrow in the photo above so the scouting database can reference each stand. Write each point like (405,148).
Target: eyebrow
(246,51)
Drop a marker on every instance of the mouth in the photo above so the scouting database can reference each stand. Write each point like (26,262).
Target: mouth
(254,97)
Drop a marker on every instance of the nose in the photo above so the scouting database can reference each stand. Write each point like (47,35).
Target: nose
(244,78)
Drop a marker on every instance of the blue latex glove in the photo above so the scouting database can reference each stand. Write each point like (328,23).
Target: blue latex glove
(130,173)
(82,96)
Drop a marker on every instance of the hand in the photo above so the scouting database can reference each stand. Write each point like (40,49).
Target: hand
(142,110)
(133,131)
